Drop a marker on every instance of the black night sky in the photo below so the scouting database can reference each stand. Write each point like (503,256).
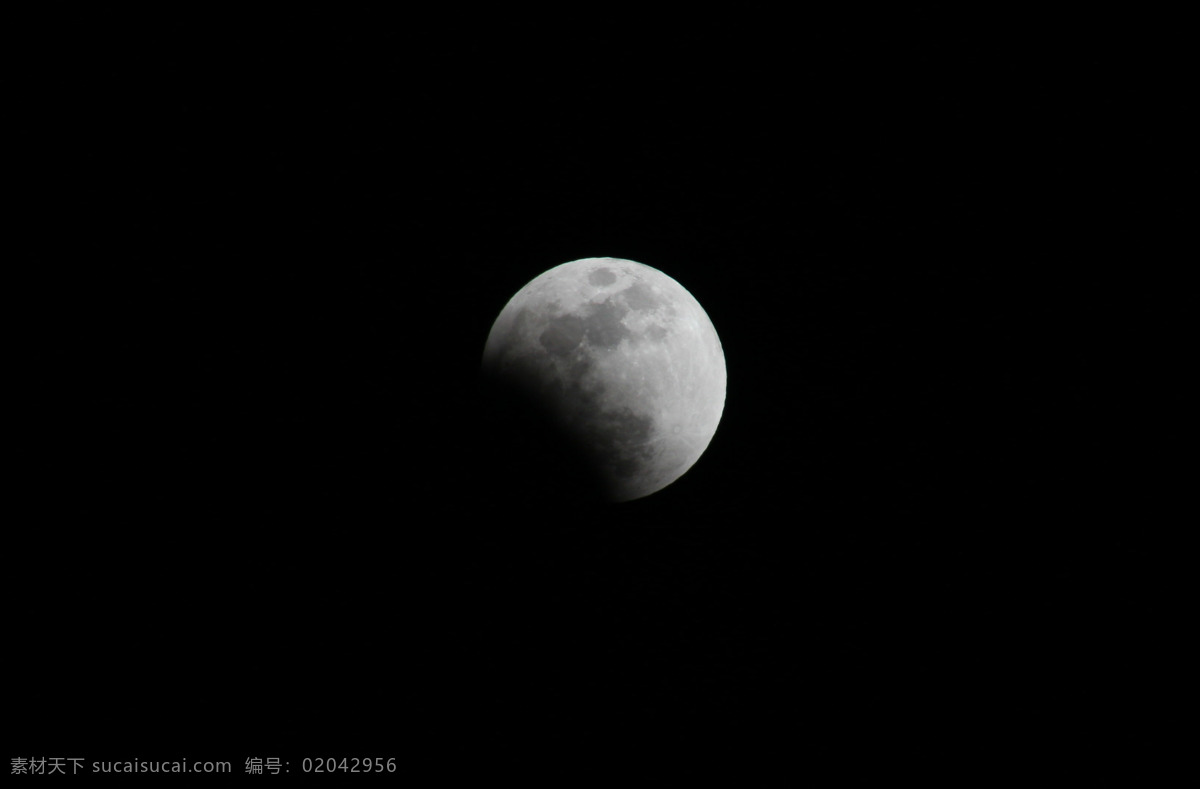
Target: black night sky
(288,522)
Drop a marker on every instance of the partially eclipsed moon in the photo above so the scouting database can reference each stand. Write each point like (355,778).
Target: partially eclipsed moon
(625,359)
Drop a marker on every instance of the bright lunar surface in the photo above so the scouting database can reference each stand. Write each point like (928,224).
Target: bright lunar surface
(625,359)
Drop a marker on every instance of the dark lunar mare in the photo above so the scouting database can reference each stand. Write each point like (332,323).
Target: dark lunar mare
(601,326)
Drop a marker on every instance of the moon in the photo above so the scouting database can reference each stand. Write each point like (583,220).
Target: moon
(624,359)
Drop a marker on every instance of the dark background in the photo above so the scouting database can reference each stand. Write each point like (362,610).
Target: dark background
(284,520)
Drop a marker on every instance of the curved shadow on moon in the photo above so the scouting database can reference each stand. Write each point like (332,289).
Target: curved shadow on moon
(527,456)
